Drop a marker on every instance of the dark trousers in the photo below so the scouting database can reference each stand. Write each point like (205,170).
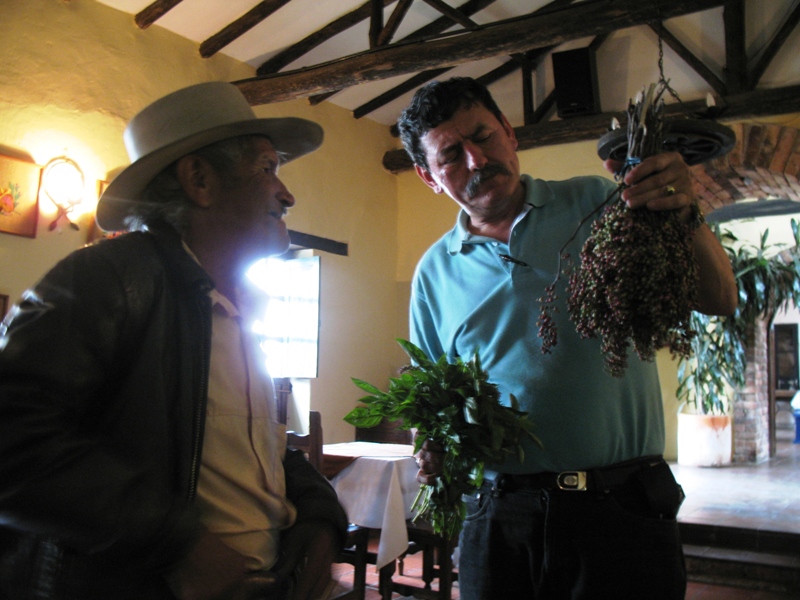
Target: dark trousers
(547,544)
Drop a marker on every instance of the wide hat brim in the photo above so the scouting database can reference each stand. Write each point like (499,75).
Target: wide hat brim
(291,137)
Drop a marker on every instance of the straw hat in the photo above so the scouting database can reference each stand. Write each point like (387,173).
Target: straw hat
(188,120)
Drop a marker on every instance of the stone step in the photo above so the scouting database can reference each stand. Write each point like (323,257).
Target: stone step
(745,558)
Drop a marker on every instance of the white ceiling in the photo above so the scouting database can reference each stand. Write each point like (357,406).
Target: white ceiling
(627,60)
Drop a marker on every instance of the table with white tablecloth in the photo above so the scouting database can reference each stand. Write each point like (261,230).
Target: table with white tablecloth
(377,489)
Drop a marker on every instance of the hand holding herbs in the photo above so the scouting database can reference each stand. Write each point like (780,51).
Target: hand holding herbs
(454,405)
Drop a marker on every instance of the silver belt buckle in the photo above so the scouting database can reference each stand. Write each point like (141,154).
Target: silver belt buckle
(572,481)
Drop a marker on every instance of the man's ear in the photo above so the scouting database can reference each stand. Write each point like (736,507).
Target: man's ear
(425,175)
(510,131)
(195,176)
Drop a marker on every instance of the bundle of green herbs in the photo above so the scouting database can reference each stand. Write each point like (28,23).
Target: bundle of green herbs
(454,405)
(635,283)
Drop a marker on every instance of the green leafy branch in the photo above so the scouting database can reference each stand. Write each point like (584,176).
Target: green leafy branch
(456,406)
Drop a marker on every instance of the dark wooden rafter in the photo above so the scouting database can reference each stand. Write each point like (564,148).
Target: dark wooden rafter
(502,38)
(151,13)
(292,53)
(774,45)
(243,24)
(689,58)
(735,52)
(744,105)
(434,28)
(451,13)
(422,78)
(375,22)
(394,21)
(528,99)
(544,109)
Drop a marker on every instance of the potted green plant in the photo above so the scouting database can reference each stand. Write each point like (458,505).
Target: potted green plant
(768,277)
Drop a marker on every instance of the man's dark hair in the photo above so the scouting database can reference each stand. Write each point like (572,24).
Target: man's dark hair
(435,103)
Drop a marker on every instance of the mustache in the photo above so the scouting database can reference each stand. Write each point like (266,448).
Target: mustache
(482,176)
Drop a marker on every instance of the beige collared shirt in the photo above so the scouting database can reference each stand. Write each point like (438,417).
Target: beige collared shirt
(241,490)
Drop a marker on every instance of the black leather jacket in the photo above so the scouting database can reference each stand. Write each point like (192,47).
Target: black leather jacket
(103,385)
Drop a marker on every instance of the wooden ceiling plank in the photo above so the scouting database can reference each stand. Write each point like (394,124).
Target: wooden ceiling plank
(690,59)
(544,109)
(375,22)
(443,23)
(295,51)
(774,46)
(243,24)
(504,38)
(439,25)
(397,91)
(526,72)
(735,47)
(451,13)
(421,78)
(150,14)
(745,105)
(397,16)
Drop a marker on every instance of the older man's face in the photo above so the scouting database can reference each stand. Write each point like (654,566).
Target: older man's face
(248,216)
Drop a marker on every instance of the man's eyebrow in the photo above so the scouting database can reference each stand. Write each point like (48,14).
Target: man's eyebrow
(478,130)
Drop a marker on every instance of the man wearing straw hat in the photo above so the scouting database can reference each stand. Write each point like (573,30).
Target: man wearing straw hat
(140,456)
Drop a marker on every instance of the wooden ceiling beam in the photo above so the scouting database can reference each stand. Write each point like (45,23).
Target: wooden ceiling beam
(304,46)
(425,76)
(437,26)
(735,48)
(744,105)
(150,14)
(397,16)
(504,38)
(690,59)
(452,14)
(774,45)
(240,26)
(375,22)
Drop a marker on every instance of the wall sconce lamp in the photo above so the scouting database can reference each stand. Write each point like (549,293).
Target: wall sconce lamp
(63,183)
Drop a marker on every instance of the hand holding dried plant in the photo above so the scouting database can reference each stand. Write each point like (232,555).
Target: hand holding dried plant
(636,282)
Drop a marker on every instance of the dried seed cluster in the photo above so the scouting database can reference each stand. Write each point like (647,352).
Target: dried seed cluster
(637,274)
(636,284)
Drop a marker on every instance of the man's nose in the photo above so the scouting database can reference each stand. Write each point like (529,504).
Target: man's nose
(475,157)
(284,196)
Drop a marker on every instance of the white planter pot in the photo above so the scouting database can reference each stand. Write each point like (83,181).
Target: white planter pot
(704,440)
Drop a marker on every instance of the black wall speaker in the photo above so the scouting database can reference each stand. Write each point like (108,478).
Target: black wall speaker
(575,77)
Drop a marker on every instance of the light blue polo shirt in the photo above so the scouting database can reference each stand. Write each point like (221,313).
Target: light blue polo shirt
(466,298)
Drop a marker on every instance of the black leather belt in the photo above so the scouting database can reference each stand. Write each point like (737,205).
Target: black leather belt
(601,479)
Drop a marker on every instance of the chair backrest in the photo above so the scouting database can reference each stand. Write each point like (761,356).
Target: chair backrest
(311,442)
(283,390)
(386,432)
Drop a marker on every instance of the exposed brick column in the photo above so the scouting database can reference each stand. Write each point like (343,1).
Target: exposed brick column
(751,404)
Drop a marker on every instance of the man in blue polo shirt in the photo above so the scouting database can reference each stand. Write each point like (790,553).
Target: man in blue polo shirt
(591,513)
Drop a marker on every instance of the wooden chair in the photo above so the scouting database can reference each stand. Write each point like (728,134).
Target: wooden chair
(355,551)
(437,562)
(310,443)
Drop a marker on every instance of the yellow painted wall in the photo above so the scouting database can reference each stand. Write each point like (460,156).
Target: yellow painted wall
(75,72)
(424,216)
